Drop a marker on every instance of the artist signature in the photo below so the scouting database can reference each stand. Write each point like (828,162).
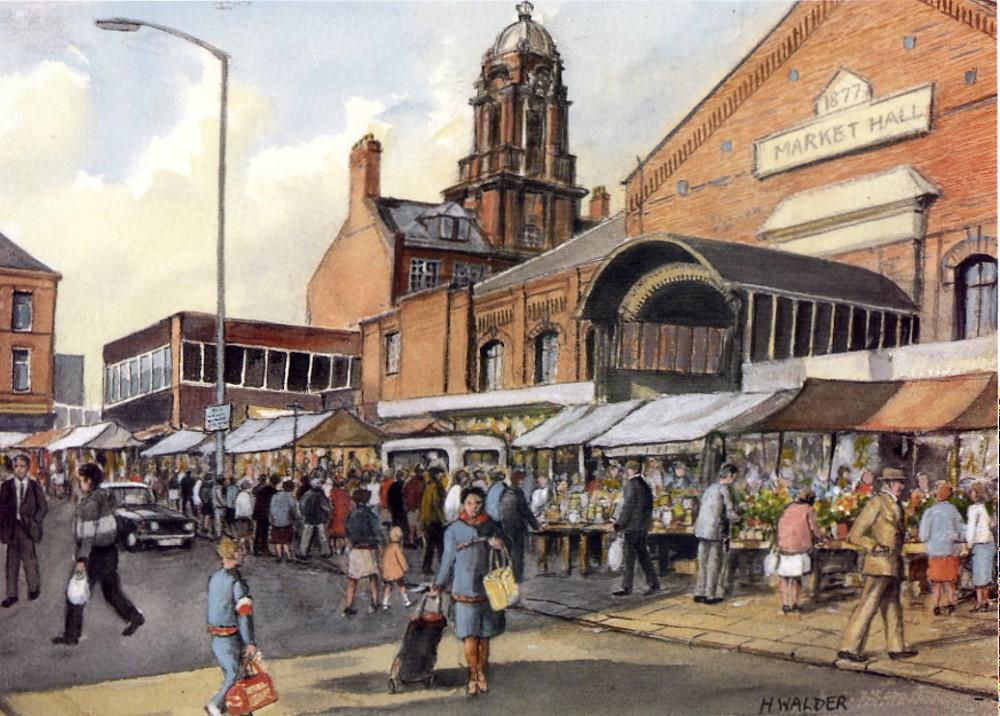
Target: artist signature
(802,704)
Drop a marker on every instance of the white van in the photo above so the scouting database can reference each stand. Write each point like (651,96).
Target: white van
(447,451)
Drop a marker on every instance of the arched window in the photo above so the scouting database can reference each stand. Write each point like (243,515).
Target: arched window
(546,355)
(976,296)
(491,366)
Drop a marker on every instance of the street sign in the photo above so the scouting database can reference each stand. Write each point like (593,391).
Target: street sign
(217,417)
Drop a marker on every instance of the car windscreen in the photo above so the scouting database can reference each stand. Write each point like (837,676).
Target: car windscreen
(131,495)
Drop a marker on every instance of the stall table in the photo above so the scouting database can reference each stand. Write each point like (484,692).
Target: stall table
(565,534)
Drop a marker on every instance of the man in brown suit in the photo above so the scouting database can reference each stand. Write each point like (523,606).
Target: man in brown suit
(879,531)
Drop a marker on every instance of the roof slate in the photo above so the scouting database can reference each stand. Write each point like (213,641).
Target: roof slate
(13,256)
(409,218)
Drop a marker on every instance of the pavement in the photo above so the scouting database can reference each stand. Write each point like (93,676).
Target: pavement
(957,652)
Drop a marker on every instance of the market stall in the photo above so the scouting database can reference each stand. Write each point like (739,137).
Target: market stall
(343,438)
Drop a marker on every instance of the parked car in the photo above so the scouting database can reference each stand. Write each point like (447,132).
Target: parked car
(142,522)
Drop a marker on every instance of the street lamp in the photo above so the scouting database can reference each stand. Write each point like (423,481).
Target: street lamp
(121,24)
(295,408)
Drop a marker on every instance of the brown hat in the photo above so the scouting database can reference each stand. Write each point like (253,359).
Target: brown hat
(892,474)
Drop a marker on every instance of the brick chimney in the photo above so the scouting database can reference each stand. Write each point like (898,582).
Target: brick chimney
(600,204)
(365,163)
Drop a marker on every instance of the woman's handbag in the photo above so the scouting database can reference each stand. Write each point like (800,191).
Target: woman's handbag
(499,583)
(78,589)
(253,689)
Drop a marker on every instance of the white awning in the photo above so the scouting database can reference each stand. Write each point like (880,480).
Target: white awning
(279,433)
(80,437)
(10,439)
(577,426)
(556,394)
(183,441)
(683,418)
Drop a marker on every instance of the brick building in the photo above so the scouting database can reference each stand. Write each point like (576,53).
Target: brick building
(163,376)
(27,340)
(515,197)
(834,194)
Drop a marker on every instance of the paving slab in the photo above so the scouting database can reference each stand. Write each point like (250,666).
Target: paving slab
(767,647)
(719,639)
(681,634)
(815,655)
(903,668)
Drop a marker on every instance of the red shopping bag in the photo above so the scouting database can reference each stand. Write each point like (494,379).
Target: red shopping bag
(253,690)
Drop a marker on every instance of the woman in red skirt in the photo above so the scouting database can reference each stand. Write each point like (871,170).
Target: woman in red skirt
(942,532)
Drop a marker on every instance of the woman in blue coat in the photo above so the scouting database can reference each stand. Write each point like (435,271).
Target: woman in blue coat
(467,543)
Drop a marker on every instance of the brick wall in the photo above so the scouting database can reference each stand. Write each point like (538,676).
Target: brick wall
(725,201)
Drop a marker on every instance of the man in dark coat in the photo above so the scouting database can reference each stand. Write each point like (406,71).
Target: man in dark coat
(515,519)
(315,508)
(262,511)
(634,522)
(187,493)
(22,511)
(396,502)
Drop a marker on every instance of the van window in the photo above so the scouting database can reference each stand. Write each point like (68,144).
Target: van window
(409,459)
(474,458)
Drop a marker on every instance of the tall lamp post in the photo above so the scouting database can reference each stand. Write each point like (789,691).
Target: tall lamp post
(295,408)
(120,24)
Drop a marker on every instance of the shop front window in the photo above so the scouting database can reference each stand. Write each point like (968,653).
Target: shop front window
(976,293)
(491,366)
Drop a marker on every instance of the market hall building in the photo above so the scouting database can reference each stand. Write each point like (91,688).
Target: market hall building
(830,204)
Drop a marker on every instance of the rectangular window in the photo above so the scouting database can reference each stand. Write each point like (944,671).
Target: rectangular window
(821,334)
(466,273)
(108,373)
(858,329)
(125,381)
(803,328)
(133,371)
(424,273)
(168,367)
(191,360)
(392,348)
(255,359)
(761,338)
(650,358)
(319,378)
(355,371)
(21,359)
(145,373)
(685,346)
(630,346)
(298,372)
(21,313)
(234,365)
(341,371)
(783,329)
(841,328)
(208,356)
(116,377)
(276,363)
(157,369)
(889,340)
(874,329)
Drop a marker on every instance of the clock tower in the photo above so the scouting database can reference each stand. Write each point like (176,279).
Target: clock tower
(520,177)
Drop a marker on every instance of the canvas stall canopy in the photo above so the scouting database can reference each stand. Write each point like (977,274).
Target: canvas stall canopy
(41,441)
(180,443)
(103,436)
(577,425)
(341,429)
(952,404)
(277,434)
(8,440)
(651,429)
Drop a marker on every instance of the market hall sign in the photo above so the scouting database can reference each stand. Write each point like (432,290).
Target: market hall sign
(848,118)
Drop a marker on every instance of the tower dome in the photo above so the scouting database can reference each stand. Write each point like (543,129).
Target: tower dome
(524,35)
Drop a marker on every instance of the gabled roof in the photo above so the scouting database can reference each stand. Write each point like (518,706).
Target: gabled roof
(415,221)
(14,257)
(592,245)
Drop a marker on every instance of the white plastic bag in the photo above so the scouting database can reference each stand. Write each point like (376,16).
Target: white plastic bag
(616,553)
(78,590)
(771,563)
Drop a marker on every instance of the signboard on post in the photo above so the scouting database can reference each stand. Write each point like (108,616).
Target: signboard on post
(218,417)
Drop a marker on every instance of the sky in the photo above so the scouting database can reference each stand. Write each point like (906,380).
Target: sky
(108,141)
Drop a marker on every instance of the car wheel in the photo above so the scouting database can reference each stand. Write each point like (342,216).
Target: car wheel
(187,544)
